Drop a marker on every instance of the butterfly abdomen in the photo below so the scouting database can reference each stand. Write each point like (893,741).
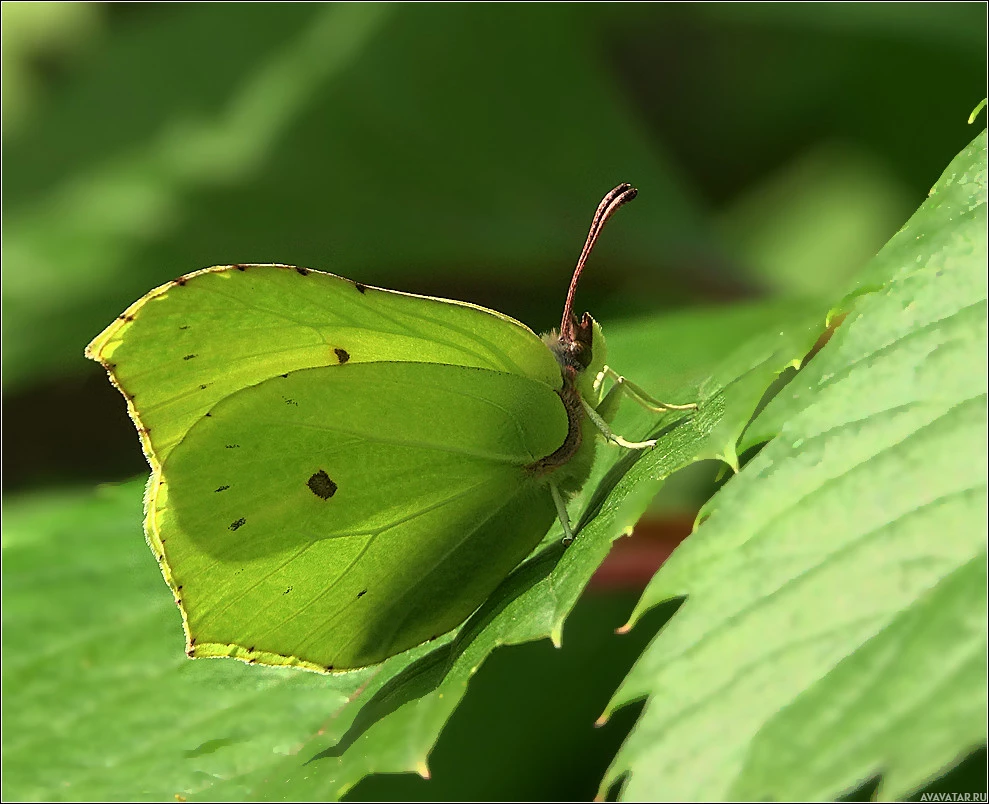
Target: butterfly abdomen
(569,465)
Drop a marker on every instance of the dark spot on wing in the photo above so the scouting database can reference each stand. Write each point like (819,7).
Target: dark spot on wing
(361,288)
(302,271)
(179,587)
(192,642)
(342,355)
(184,326)
(241,267)
(321,485)
(231,446)
(250,649)
(222,488)
(238,523)
(290,401)
(125,317)
(188,357)
(251,661)
(109,365)
(329,668)
(361,594)
(208,415)
(287,591)
(203,388)
(180,281)
(190,652)
(285,375)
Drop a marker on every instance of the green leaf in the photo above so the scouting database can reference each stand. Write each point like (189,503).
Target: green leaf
(834,626)
(99,701)
(924,672)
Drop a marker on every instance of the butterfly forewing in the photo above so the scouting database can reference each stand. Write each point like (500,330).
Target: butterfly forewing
(188,344)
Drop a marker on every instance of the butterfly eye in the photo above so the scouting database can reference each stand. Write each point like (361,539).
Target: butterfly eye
(580,348)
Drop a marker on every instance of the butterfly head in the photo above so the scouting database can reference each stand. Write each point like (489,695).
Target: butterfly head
(574,348)
(583,354)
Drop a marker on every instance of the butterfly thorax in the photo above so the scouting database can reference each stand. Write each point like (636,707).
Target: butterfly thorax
(575,357)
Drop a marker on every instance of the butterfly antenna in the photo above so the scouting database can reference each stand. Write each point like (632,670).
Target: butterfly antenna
(622,194)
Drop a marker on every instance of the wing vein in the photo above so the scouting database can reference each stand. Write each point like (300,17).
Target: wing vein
(374,535)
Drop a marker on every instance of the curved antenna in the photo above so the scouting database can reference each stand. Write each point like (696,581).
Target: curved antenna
(622,194)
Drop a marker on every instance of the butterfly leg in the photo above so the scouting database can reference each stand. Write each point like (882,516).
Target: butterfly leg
(561,512)
(636,393)
(614,438)
(607,407)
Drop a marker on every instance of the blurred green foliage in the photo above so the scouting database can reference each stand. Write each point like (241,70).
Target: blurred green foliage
(450,149)
(456,150)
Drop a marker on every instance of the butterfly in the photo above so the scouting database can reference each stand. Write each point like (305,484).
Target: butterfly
(341,472)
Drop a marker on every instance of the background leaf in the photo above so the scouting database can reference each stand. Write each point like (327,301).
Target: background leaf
(286,116)
(92,649)
(834,613)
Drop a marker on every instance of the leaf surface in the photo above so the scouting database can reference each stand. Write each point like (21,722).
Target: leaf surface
(99,702)
(834,626)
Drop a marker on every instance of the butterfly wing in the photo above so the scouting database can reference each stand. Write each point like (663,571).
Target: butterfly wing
(193,341)
(339,515)
(253,389)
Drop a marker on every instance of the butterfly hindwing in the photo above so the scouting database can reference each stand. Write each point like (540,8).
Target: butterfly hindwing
(338,515)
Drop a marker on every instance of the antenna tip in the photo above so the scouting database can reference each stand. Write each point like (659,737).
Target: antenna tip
(622,194)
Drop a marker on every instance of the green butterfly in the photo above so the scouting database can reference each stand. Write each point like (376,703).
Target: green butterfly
(341,472)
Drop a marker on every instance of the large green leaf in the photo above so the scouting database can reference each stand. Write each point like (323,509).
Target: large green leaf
(99,702)
(835,621)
